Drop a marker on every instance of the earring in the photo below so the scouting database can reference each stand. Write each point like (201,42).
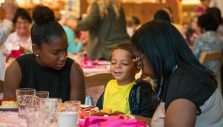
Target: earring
(37,55)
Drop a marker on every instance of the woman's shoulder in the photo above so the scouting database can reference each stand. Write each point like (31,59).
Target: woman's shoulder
(71,64)
(191,78)
(190,83)
(26,61)
(190,72)
(25,58)
(69,60)
(11,36)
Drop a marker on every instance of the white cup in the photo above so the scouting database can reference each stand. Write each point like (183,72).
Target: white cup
(67,119)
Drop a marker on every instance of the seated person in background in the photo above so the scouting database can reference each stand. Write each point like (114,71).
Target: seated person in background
(124,94)
(21,37)
(6,13)
(48,68)
(202,7)
(165,14)
(75,46)
(217,13)
(132,24)
(209,40)
(2,71)
(193,31)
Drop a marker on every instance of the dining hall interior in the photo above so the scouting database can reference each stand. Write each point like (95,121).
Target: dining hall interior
(109,63)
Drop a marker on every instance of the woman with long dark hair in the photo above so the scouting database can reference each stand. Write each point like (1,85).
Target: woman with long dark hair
(186,89)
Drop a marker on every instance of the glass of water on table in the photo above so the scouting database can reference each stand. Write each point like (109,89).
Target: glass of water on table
(24,97)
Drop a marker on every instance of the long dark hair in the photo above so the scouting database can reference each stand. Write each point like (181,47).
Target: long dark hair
(165,48)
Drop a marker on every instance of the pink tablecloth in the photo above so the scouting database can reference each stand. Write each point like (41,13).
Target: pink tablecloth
(91,67)
(11,119)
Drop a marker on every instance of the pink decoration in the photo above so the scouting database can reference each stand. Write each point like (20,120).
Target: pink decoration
(111,121)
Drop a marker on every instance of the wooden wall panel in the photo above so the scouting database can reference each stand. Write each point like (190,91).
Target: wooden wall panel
(143,11)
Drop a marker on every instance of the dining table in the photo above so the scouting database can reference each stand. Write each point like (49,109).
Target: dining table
(11,119)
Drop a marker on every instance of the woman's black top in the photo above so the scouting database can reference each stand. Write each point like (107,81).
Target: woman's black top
(57,82)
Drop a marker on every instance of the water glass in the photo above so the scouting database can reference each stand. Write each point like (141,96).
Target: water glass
(72,106)
(36,118)
(50,106)
(24,97)
(42,94)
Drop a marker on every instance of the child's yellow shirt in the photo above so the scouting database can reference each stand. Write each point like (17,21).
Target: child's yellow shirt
(116,97)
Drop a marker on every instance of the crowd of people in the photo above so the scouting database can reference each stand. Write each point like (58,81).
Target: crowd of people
(185,92)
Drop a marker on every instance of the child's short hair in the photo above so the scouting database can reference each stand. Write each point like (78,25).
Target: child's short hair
(125,46)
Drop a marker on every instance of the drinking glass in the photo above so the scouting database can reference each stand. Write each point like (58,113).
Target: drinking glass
(42,94)
(36,118)
(51,106)
(24,97)
(72,106)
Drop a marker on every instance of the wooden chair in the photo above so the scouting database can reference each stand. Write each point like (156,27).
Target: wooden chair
(95,84)
(1,86)
(215,56)
(1,89)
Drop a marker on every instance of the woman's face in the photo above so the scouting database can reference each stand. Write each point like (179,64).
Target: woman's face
(194,24)
(22,26)
(144,63)
(52,54)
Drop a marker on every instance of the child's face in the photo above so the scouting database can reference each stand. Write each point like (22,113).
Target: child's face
(122,67)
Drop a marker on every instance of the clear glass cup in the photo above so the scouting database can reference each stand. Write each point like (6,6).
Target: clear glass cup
(36,118)
(42,94)
(24,97)
(72,106)
(50,106)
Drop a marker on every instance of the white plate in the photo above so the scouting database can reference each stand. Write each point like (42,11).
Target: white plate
(85,106)
(131,117)
(8,108)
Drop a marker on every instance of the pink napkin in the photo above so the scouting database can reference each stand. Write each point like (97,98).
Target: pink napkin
(111,121)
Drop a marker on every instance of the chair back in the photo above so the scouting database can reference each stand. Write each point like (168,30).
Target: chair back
(95,85)
(214,56)
(1,89)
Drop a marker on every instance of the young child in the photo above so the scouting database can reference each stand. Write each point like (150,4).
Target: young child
(124,94)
